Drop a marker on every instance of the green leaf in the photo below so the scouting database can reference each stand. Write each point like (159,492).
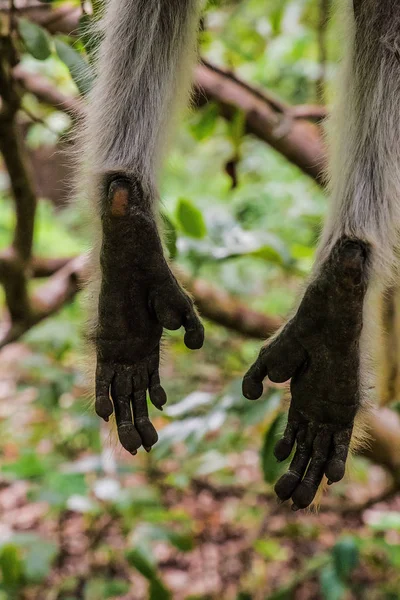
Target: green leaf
(140,557)
(345,557)
(28,466)
(11,565)
(59,487)
(35,38)
(203,124)
(190,219)
(270,466)
(170,235)
(39,559)
(80,71)
(332,586)
(158,591)
(143,562)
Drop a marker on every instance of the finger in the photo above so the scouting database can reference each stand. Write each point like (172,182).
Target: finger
(103,405)
(336,466)
(143,424)
(194,336)
(305,492)
(253,380)
(285,445)
(167,313)
(121,392)
(156,392)
(286,485)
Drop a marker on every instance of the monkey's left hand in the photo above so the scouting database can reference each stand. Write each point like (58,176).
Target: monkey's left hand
(139,296)
(319,350)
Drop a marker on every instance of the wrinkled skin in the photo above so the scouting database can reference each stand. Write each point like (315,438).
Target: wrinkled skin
(139,297)
(319,351)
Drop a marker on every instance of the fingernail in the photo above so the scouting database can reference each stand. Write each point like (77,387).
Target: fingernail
(148,448)
(106,419)
(134,452)
(295,508)
(330,482)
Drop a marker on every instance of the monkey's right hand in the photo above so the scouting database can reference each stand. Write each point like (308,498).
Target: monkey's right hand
(139,296)
(319,351)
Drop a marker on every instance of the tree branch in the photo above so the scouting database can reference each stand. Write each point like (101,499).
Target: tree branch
(267,117)
(48,94)
(47,300)
(297,140)
(14,278)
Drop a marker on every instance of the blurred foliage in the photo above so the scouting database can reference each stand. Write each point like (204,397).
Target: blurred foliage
(213,467)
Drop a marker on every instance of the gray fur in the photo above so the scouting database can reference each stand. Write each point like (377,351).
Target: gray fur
(365,135)
(141,66)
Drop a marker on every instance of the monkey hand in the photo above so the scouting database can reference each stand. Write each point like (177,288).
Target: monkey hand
(139,296)
(319,351)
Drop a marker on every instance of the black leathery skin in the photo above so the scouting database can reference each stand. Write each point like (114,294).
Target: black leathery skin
(319,351)
(139,297)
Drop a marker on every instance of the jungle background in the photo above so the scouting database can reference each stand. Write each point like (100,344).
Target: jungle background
(243,204)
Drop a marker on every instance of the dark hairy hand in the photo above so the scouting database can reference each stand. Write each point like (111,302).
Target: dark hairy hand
(139,296)
(319,351)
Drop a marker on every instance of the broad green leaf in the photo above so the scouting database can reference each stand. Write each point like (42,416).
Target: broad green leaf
(204,122)
(11,565)
(38,560)
(190,219)
(80,71)
(270,466)
(59,487)
(158,591)
(170,235)
(28,466)
(345,557)
(35,38)
(332,587)
(140,558)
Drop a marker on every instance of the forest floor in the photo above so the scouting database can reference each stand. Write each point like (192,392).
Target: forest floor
(208,538)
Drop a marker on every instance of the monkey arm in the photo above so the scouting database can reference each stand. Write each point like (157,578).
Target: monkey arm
(319,351)
(139,297)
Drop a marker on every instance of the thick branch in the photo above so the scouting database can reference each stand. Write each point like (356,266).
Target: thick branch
(47,300)
(297,139)
(12,149)
(213,303)
(48,94)
(267,117)
(222,308)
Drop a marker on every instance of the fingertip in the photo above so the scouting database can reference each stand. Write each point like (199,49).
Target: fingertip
(104,408)
(194,338)
(286,485)
(304,495)
(335,471)
(129,437)
(282,450)
(252,390)
(147,432)
(158,396)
